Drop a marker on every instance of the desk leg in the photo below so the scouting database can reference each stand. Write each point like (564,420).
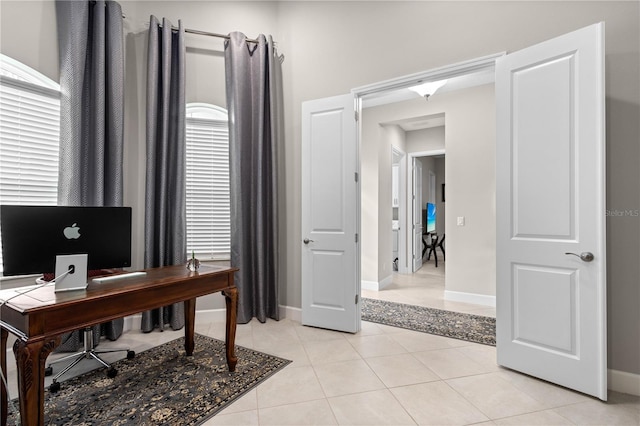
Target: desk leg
(31,358)
(4,406)
(231,298)
(189,325)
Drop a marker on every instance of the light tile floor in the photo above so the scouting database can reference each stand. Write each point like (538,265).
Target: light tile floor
(425,288)
(389,376)
(385,375)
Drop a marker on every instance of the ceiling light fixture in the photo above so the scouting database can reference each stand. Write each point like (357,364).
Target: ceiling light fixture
(428,89)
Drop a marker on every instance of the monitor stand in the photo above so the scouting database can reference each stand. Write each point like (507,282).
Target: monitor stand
(77,278)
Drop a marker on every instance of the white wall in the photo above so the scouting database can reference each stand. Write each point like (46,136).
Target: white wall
(332,47)
(369,207)
(431,139)
(29,34)
(376,160)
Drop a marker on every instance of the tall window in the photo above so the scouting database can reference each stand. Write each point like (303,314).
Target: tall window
(29,135)
(208,210)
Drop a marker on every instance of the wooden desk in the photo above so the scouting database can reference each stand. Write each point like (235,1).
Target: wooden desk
(39,318)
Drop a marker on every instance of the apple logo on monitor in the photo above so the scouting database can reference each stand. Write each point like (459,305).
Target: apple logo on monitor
(72,232)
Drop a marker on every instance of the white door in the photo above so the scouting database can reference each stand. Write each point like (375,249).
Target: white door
(417,214)
(551,306)
(330,208)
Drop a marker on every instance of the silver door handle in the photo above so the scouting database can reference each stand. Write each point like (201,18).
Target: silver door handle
(585,256)
(307,241)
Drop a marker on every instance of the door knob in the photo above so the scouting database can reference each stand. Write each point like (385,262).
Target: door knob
(307,241)
(585,256)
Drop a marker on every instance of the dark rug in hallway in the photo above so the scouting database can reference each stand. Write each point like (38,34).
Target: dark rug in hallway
(160,386)
(472,328)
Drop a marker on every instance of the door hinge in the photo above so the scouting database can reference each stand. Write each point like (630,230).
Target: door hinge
(356,238)
(355,113)
(356,299)
(356,176)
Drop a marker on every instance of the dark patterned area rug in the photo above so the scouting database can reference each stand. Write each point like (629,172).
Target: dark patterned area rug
(160,386)
(472,328)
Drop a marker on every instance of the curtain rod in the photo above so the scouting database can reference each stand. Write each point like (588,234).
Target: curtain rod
(205,33)
(226,37)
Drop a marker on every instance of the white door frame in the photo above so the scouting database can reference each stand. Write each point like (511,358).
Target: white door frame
(402,212)
(484,63)
(412,155)
(416,214)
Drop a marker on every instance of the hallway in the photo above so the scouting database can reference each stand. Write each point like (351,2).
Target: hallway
(425,288)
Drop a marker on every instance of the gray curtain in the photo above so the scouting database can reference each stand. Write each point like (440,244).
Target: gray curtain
(165,209)
(91,51)
(254,101)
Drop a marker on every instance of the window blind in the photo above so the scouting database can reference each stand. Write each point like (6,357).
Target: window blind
(29,143)
(207,181)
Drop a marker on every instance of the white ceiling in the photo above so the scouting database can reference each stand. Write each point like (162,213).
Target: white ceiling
(419,123)
(424,122)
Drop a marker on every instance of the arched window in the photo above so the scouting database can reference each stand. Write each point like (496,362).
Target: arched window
(208,206)
(29,135)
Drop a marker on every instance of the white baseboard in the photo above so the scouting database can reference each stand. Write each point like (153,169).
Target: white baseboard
(134,322)
(377,286)
(369,285)
(621,381)
(294,314)
(476,299)
(210,315)
(386,282)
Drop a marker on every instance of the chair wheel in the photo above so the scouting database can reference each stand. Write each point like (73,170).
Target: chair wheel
(54,387)
(112,372)
(131,354)
(48,371)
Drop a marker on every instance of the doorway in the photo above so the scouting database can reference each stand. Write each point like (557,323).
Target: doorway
(417,127)
(424,286)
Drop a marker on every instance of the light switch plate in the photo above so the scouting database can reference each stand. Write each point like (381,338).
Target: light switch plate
(460,220)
